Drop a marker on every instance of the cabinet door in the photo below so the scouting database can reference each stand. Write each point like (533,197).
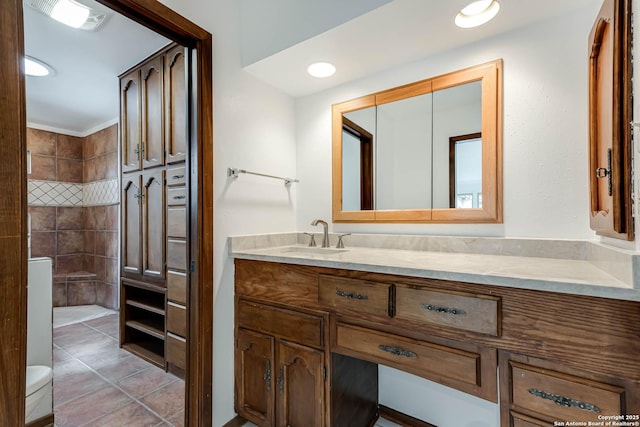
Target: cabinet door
(254,384)
(610,113)
(131,223)
(175,105)
(130,121)
(152,114)
(153,235)
(300,386)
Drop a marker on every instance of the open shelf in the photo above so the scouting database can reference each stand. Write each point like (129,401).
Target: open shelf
(151,351)
(144,305)
(146,327)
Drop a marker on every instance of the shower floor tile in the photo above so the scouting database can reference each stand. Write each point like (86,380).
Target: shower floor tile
(96,383)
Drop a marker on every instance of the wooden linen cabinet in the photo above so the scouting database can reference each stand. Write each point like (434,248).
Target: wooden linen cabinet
(154,134)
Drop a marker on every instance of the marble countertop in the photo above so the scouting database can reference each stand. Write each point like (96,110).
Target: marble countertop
(572,276)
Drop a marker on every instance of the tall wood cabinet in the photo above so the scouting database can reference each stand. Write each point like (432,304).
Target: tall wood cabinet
(154,233)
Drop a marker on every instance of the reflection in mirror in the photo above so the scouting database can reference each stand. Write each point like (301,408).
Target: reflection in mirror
(457,110)
(403,154)
(358,129)
(465,171)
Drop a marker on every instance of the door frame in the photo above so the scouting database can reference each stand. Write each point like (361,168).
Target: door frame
(13,206)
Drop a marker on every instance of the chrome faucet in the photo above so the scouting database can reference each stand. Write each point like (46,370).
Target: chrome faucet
(325,238)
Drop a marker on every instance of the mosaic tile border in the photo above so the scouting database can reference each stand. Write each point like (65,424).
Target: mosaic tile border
(54,193)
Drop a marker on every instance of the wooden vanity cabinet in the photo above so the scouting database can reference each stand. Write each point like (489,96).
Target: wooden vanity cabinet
(280,368)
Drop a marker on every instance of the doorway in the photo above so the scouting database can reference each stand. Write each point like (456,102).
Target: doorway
(13,206)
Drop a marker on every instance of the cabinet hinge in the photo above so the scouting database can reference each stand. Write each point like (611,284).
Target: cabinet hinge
(324,372)
(193,266)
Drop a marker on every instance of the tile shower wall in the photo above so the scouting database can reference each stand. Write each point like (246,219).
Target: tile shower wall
(73,202)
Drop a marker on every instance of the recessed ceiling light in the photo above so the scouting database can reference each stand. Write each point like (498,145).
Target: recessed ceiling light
(36,68)
(477,13)
(321,69)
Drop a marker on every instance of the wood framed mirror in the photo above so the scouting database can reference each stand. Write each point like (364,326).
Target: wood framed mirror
(403,173)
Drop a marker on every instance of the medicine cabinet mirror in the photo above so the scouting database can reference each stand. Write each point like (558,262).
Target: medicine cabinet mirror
(429,151)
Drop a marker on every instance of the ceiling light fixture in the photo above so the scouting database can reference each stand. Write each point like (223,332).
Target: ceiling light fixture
(321,69)
(36,68)
(477,13)
(72,13)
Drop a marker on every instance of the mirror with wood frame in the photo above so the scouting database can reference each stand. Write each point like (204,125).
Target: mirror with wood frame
(393,158)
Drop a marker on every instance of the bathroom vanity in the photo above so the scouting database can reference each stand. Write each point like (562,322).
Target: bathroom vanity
(312,324)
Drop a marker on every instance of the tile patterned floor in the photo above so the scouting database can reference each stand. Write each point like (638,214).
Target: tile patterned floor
(96,383)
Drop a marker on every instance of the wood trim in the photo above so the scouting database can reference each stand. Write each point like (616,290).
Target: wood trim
(45,421)
(366,161)
(13,211)
(491,212)
(338,214)
(401,418)
(452,163)
(13,192)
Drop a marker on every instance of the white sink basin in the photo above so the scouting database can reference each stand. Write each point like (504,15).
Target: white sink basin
(309,250)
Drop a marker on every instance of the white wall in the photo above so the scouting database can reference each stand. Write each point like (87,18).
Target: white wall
(253,129)
(545,133)
(545,168)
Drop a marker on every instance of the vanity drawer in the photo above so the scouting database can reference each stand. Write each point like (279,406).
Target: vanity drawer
(177,286)
(177,351)
(520,420)
(176,176)
(476,313)
(176,196)
(561,396)
(432,361)
(177,319)
(352,295)
(177,222)
(302,328)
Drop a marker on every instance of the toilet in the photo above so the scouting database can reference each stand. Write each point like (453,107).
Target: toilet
(39,382)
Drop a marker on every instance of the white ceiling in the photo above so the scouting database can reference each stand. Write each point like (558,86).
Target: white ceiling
(396,33)
(83,94)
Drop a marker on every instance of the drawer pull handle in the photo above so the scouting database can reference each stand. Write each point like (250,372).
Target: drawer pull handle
(564,401)
(351,295)
(177,176)
(179,197)
(267,374)
(397,351)
(439,309)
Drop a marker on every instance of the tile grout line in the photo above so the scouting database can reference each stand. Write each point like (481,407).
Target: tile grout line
(109,382)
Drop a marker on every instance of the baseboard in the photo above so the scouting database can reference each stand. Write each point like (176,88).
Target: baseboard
(401,418)
(45,421)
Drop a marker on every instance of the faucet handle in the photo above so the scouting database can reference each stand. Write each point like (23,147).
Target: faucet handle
(340,243)
(312,242)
